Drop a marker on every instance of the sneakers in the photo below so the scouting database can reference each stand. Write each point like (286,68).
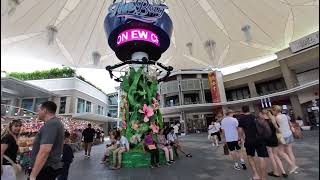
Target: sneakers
(244,167)
(168,163)
(157,165)
(172,161)
(213,145)
(151,166)
(237,167)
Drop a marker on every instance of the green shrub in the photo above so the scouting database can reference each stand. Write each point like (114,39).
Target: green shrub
(54,73)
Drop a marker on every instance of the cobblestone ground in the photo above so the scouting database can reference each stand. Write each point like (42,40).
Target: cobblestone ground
(207,163)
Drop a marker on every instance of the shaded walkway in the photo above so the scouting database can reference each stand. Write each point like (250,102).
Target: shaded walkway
(207,163)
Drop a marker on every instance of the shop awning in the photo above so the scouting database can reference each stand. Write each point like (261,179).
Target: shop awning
(12,87)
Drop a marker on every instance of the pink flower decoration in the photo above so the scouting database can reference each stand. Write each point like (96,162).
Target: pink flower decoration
(158,96)
(147,111)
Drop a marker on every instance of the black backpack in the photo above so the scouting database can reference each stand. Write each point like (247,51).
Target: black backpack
(263,128)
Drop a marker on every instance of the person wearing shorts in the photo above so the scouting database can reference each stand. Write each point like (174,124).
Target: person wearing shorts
(214,130)
(229,127)
(253,144)
(88,136)
(285,129)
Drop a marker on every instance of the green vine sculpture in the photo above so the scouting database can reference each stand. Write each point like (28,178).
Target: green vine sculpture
(139,105)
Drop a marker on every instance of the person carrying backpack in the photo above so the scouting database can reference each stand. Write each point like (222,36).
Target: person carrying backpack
(255,132)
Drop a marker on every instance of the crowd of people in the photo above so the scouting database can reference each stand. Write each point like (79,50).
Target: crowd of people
(48,159)
(154,140)
(269,135)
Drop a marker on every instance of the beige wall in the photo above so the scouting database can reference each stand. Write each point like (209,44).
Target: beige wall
(72,99)
(258,77)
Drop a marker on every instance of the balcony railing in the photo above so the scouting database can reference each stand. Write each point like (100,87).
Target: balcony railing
(13,111)
(192,102)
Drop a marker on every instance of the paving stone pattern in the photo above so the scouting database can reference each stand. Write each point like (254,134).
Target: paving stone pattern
(207,163)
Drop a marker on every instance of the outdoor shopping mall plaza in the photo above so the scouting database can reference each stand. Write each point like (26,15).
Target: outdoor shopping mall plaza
(207,163)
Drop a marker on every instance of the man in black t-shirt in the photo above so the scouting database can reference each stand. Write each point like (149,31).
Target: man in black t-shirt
(88,136)
(253,144)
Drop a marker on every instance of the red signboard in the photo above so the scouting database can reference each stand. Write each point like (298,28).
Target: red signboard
(213,83)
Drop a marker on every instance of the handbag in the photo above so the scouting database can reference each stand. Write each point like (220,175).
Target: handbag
(296,131)
(17,168)
(152,146)
(280,138)
(225,149)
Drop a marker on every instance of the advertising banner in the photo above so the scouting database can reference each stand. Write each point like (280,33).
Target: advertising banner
(213,83)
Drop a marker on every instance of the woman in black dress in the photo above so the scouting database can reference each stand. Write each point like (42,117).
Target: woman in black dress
(272,145)
(9,148)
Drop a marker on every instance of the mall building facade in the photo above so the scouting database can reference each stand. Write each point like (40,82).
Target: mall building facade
(75,99)
(292,81)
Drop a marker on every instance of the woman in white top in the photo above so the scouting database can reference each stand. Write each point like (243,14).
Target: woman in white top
(285,129)
(213,131)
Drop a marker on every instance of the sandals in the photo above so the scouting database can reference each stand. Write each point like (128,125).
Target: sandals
(114,168)
(272,174)
(189,155)
(293,170)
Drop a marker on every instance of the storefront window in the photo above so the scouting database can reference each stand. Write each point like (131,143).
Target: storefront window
(88,106)
(238,94)
(272,86)
(81,105)
(207,95)
(113,100)
(27,104)
(192,98)
(62,108)
(172,101)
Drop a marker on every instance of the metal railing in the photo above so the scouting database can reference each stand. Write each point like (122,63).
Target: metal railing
(13,111)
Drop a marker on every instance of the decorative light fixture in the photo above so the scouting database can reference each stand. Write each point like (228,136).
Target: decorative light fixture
(12,4)
(96,56)
(52,33)
(210,46)
(189,45)
(246,31)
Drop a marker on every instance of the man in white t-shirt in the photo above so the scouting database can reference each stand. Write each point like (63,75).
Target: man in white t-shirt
(229,126)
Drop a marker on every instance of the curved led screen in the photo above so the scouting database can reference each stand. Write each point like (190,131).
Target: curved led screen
(137,35)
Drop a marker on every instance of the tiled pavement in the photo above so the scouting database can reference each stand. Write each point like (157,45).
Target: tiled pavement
(207,163)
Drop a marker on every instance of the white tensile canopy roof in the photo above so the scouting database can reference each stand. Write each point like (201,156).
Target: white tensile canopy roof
(207,33)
